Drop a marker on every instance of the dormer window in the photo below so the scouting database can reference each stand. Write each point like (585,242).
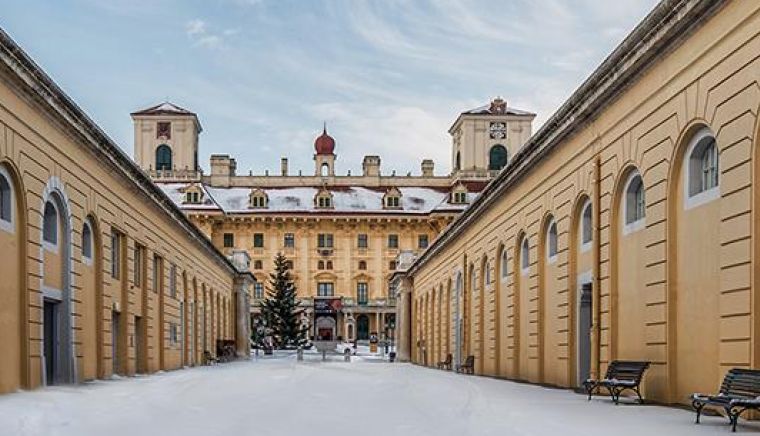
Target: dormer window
(323,200)
(258,199)
(163,130)
(392,199)
(459,195)
(193,195)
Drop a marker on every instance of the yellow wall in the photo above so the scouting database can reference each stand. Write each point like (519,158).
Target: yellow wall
(677,292)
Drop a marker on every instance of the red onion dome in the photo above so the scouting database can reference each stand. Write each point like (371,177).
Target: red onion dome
(324,144)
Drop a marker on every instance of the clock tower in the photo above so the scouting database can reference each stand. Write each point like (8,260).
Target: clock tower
(484,139)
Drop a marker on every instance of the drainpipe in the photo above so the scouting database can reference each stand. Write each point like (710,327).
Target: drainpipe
(596,271)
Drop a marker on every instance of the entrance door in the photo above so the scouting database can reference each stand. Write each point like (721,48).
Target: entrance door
(362,327)
(584,332)
(51,341)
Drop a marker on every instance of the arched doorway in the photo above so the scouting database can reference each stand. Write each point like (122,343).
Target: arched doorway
(362,327)
(57,340)
(325,328)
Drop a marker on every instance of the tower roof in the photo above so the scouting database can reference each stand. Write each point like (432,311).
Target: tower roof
(497,106)
(165,108)
(324,144)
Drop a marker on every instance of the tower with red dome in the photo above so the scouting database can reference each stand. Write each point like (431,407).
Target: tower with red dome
(324,154)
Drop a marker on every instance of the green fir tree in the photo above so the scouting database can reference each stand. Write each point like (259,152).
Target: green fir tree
(281,309)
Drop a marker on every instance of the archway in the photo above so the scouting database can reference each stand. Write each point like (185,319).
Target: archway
(57,333)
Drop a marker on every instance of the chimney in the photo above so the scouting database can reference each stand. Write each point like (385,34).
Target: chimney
(284,166)
(427,167)
(371,166)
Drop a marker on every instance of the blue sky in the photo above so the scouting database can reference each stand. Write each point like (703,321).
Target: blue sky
(389,76)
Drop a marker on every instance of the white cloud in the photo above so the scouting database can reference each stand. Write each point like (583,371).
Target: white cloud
(198,32)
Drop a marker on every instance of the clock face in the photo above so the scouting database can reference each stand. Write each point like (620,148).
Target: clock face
(498,130)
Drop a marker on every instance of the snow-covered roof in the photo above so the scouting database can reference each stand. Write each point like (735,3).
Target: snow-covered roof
(354,199)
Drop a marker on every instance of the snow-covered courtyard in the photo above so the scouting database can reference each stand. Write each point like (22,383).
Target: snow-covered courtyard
(280,396)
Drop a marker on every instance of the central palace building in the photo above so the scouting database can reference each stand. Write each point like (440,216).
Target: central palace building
(342,234)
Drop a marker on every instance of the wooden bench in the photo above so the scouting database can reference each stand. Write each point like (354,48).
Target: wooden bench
(468,367)
(621,375)
(446,364)
(740,391)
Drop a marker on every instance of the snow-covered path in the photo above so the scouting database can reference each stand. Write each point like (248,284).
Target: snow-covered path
(281,397)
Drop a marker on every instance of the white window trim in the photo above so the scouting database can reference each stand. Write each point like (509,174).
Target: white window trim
(551,258)
(586,246)
(87,260)
(524,270)
(639,224)
(704,197)
(49,246)
(9,225)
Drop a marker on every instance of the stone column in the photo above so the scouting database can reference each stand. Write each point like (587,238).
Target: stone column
(403,289)
(242,302)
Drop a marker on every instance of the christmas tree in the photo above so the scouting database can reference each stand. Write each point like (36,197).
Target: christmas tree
(281,310)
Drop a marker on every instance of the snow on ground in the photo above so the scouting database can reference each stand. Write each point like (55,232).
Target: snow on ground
(279,396)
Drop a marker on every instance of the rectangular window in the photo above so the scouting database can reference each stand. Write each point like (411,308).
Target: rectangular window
(392,241)
(422,241)
(258,240)
(163,130)
(115,254)
(157,267)
(362,240)
(325,289)
(173,281)
(258,291)
(138,264)
(229,240)
(362,294)
(172,334)
(325,240)
(392,265)
(290,240)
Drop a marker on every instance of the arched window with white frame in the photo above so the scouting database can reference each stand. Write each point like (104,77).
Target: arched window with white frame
(504,264)
(525,256)
(586,226)
(702,172)
(7,201)
(87,242)
(50,225)
(634,203)
(551,241)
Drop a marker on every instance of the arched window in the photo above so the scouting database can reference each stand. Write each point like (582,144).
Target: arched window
(504,264)
(488,273)
(458,162)
(703,165)
(586,226)
(163,158)
(635,203)
(87,241)
(473,281)
(551,241)
(525,255)
(6,201)
(50,224)
(323,200)
(257,264)
(362,264)
(497,157)
(325,170)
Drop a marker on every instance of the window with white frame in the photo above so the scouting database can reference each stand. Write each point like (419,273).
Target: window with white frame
(362,293)
(525,256)
(634,205)
(50,224)
(703,169)
(258,291)
(325,289)
(504,265)
(586,226)
(6,201)
(551,242)
(87,241)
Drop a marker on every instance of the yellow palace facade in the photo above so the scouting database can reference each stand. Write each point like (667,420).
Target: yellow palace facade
(625,229)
